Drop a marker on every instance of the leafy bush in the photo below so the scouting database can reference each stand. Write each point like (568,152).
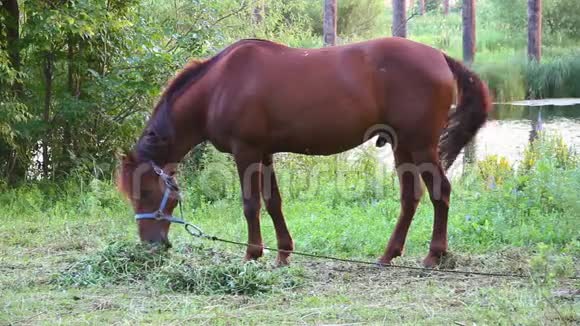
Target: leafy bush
(549,150)
(494,169)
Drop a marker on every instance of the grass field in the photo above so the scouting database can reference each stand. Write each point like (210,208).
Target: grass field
(69,255)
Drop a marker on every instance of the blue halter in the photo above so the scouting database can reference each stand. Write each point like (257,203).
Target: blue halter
(170,187)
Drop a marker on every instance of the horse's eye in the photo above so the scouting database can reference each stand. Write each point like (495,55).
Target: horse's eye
(145,193)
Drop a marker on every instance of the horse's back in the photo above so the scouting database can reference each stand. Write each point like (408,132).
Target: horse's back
(324,100)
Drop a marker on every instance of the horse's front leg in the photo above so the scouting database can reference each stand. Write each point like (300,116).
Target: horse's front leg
(273,201)
(250,170)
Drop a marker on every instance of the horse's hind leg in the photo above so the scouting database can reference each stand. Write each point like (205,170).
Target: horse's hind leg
(273,201)
(439,191)
(249,164)
(411,193)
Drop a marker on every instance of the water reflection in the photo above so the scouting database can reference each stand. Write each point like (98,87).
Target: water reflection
(510,129)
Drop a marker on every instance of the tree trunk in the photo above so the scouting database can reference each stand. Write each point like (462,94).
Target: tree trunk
(468,16)
(534,30)
(468,31)
(536,124)
(399,27)
(329,23)
(258,12)
(445,7)
(65,163)
(421,4)
(48,74)
(12,21)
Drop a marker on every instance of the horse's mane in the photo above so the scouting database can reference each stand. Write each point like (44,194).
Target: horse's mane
(152,145)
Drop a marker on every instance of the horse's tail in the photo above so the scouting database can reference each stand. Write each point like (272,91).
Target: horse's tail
(470,114)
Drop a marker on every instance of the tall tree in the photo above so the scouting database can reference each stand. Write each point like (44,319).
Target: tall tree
(11,14)
(329,22)
(258,12)
(468,14)
(534,30)
(12,109)
(421,5)
(48,79)
(445,7)
(399,27)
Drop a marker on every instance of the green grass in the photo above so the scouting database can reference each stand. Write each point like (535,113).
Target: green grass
(69,253)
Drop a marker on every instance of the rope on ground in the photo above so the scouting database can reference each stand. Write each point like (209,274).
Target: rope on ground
(196,232)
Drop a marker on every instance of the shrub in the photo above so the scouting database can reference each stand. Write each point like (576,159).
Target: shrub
(550,150)
(494,169)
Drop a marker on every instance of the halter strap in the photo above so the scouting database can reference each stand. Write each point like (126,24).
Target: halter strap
(159,215)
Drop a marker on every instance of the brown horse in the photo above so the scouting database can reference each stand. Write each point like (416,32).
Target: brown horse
(256,98)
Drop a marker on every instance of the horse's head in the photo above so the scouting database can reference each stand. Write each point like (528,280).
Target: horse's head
(153,192)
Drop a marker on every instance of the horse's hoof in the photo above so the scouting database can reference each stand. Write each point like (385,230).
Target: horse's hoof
(383,262)
(432,260)
(253,253)
(282,260)
(248,258)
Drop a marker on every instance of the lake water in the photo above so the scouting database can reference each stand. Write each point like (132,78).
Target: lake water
(510,127)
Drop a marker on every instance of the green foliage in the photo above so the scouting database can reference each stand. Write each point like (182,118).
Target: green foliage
(284,21)
(548,264)
(356,18)
(554,78)
(213,177)
(560,18)
(549,150)
(519,79)
(494,169)
(511,15)
(505,81)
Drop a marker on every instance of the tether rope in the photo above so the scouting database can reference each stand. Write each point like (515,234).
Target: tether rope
(197,232)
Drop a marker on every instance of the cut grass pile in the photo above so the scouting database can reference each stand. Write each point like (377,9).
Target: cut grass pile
(191,269)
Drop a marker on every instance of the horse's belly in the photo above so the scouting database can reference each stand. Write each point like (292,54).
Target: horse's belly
(325,139)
